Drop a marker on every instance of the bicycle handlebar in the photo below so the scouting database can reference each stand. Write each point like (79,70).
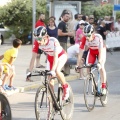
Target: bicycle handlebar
(88,66)
(41,73)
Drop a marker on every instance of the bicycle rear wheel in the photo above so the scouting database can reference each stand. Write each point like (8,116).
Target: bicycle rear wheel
(104,98)
(89,92)
(5,108)
(43,104)
(67,106)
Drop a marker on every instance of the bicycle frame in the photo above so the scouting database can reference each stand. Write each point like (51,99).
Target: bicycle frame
(98,85)
(47,85)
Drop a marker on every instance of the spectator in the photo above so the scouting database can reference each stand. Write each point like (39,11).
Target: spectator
(117,25)
(80,32)
(107,23)
(51,28)
(76,26)
(102,30)
(73,52)
(91,19)
(71,23)
(63,33)
(36,52)
(78,18)
(8,58)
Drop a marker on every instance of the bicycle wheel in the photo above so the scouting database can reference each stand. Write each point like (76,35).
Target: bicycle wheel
(104,98)
(5,108)
(67,106)
(43,104)
(89,92)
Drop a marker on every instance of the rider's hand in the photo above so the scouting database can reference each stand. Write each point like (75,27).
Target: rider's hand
(98,66)
(52,73)
(76,69)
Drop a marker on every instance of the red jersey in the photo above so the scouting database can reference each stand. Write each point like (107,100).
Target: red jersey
(40,23)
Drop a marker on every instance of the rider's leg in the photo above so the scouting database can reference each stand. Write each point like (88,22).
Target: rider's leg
(62,60)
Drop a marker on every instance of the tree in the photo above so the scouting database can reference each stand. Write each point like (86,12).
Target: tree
(105,10)
(17,16)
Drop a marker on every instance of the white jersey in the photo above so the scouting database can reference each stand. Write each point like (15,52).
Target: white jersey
(73,50)
(52,46)
(97,43)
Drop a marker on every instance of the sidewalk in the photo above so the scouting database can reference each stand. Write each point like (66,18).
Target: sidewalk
(21,65)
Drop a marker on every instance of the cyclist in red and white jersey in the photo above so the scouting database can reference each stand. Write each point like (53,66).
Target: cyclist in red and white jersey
(56,56)
(97,49)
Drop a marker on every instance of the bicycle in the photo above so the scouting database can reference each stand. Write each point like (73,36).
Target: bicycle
(5,109)
(92,87)
(48,102)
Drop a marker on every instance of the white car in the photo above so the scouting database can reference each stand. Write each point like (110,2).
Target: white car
(2,33)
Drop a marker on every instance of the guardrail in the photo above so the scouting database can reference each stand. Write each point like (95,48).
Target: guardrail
(113,39)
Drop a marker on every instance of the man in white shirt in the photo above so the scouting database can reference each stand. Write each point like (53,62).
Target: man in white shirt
(117,25)
(72,52)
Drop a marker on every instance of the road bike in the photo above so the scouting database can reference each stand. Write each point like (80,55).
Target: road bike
(5,109)
(92,87)
(48,102)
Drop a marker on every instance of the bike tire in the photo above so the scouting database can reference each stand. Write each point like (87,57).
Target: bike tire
(43,104)
(104,98)
(67,107)
(6,113)
(89,92)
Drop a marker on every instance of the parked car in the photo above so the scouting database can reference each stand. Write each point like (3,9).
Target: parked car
(3,31)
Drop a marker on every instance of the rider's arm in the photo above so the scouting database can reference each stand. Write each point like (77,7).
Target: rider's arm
(55,56)
(81,50)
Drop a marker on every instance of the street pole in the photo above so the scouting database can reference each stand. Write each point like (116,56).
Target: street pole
(33,17)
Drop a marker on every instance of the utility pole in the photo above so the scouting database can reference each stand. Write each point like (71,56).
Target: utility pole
(33,17)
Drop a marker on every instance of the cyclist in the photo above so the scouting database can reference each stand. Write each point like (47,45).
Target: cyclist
(96,48)
(56,56)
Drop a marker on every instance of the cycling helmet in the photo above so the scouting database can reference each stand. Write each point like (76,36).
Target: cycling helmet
(39,32)
(88,30)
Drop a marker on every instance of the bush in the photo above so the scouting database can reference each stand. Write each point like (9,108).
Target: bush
(17,16)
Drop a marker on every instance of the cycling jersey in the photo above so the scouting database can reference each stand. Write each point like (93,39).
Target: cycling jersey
(96,43)
(52,46)
(94,47)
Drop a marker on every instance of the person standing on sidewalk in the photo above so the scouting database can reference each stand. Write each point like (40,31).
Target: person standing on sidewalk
(63,33)
(36,52)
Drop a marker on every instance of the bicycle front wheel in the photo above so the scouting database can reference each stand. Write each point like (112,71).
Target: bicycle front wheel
(43,104)
(89,92)
(5,108)
(67,106)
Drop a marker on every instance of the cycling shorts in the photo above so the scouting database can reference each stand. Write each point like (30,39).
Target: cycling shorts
(61,58)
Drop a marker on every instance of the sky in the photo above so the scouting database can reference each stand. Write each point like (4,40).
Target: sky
(3,2)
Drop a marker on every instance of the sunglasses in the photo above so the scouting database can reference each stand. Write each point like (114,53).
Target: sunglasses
(39,38)
(87,35)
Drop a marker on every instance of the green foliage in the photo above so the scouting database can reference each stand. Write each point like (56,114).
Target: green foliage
(105,10)
(87,8)
(17,16)
(117,15)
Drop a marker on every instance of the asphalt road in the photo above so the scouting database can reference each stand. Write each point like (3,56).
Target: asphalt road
(22,104)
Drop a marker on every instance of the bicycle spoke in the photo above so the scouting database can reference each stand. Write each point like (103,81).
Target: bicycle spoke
(42,105)
(67,106)
(89,93)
